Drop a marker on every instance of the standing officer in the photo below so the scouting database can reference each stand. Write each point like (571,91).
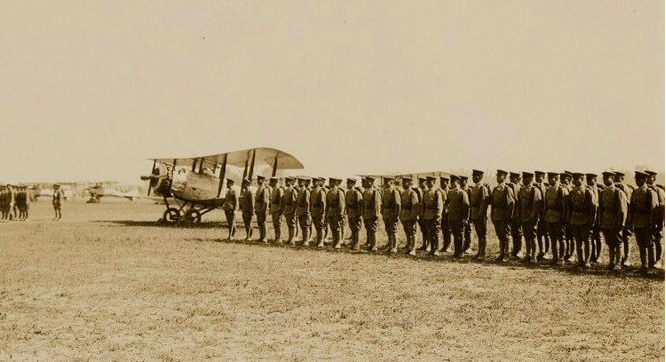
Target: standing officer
(542,227)
(335,204)
(446,229)
(433,207)
(420,191)
(3,201)
(303,209)
(318,209)
(501,212)
(57,201)
(262,199)
(467,227)
(659,221)
(247,203)
(391,213)
(628,231)
(516,229)
(409,205)
(556,211)
(613,217)
(643,211)
(530,207)
(230,206)
(479,200)
(569,245)
(458,205)
(289,208)
(583,212)
(595,236)
(372,206)
(354,211)
(276,208)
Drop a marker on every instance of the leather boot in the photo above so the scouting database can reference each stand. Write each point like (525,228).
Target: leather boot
(644,258)
(290,240)
(586,255)
(320,238)
(611,258)
(650,258)
(618,258)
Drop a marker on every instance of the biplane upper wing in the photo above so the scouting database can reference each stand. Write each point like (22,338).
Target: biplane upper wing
(262,155)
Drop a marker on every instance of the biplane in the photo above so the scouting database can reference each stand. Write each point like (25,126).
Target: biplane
(192,186)
(99,190)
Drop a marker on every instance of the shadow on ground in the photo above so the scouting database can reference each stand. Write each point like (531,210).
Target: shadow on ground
(156,224)
(596,270)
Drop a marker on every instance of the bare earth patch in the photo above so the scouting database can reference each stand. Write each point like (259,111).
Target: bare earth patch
(105,284)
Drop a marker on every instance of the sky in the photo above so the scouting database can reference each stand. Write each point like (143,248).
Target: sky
(90,89)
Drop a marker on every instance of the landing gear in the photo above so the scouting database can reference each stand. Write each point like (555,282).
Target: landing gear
(171,215)
(192,216)
(187,213)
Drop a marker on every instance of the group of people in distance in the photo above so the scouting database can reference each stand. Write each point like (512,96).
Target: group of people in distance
(562,216)
(14,202)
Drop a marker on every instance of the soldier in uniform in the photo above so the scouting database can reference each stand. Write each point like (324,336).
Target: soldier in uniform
(3,202)
(409,212)
(318,209)
(445,228)
(458,205)
(391,204)
(20,202)
(303,209)
(542,227)
(479,201)
(289,199)
(335,205)
(420,191)
(262,199)
(582,214)
(628,231)
(354,211)
(502,204)
(557,208)
(467,227)
(372,205)
(595,236)
(569,245)
(658,233)
(230,206)
(516,228)
(530,207)
(276,208)
(433,208)
(247,203)
(57,201)
(613,217)
(26,192)
(643,211)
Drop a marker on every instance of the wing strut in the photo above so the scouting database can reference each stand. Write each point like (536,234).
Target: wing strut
(254,155)
(274,167)
(223,171)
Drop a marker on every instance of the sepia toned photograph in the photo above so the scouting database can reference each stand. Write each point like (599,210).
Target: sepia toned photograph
(291,180)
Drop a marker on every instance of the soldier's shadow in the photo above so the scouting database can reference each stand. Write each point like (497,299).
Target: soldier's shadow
(598,270)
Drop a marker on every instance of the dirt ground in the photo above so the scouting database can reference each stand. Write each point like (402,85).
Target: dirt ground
(105,283)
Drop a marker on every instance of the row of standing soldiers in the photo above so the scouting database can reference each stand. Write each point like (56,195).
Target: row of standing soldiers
(14,202)
(559,220)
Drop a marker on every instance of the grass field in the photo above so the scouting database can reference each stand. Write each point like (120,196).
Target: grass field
(106,284)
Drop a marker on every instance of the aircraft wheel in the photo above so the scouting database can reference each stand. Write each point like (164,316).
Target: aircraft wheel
(171,215)
(193,216)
